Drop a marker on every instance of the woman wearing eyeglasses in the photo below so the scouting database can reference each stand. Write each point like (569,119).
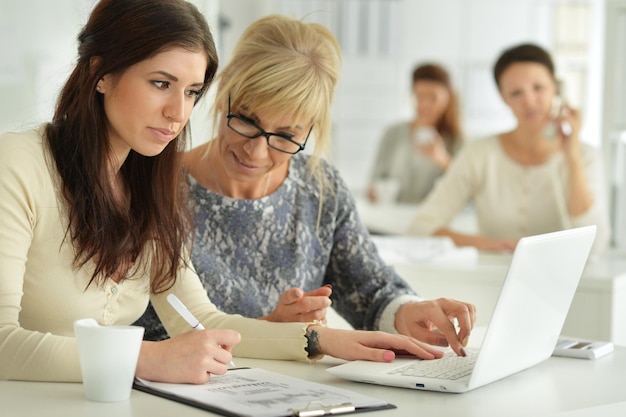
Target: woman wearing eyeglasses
(276,231)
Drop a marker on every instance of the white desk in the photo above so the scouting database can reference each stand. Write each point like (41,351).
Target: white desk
(395,219)
(558,385)
(597,312)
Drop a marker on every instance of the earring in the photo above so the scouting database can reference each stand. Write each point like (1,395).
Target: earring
(99,85)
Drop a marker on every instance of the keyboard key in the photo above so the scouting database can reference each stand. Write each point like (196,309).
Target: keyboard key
(450,366)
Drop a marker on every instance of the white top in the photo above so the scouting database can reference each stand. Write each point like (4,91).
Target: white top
(41,294)
(512,200)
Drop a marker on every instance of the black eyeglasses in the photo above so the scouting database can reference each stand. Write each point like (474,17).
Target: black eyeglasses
(248,129)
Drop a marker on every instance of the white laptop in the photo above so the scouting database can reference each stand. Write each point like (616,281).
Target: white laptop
(523,330)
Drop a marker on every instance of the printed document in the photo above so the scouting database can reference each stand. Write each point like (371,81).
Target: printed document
(259,393)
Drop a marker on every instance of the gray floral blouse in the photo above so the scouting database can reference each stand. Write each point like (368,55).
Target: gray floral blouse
(247,252)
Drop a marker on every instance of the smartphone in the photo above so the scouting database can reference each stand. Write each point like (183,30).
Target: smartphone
(582,349)
(553,128)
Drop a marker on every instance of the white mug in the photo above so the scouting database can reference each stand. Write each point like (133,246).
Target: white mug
(108,359)
(386,190)
(424,135)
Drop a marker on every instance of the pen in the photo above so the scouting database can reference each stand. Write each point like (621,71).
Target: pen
(186,314)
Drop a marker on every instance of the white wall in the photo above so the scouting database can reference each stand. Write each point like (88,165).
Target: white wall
(614,121)
(381,41)
(38,46)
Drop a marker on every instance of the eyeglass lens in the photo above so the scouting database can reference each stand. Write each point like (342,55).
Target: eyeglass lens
(251,131)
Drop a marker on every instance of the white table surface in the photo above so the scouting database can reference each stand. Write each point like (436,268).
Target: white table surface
(598,310)
(395,218)
(557,387)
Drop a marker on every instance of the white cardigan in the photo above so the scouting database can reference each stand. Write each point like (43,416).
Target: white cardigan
(512,200)
(41,294)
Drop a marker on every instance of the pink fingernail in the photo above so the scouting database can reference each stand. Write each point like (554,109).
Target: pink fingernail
(388,356)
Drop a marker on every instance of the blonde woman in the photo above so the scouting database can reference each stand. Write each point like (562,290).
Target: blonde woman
(93,222)
(276,230)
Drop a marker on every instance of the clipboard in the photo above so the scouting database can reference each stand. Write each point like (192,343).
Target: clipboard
(255,392)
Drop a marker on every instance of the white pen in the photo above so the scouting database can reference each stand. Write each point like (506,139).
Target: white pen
(186,314)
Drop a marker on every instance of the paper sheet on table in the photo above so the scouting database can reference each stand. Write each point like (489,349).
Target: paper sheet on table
(256,392)
(407,249)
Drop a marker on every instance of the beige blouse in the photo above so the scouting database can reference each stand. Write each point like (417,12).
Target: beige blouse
(512,200)
(41,295)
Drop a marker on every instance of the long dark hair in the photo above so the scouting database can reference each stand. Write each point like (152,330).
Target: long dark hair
(449,125)
(119,34)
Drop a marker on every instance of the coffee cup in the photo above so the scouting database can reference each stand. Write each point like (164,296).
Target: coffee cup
(386,190)
(108,359)
(424,135)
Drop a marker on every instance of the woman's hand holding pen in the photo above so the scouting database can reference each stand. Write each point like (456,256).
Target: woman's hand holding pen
(189,357)
(296,305)
(432,322)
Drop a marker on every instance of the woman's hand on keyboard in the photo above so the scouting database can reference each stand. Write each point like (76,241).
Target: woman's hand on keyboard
(432,322)
(366,345)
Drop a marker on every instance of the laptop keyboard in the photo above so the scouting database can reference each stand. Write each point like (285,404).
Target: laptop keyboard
(450,366)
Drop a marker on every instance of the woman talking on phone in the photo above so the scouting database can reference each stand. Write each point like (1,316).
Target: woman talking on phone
(534,179)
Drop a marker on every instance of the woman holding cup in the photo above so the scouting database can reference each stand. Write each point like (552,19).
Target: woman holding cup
(413,154)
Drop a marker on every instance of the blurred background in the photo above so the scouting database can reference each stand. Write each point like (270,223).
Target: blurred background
(382,40)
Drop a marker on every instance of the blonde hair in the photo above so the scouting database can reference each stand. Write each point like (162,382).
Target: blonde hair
(282,65)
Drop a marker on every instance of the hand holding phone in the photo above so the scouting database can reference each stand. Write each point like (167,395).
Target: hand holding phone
(566,128)
(557,125)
